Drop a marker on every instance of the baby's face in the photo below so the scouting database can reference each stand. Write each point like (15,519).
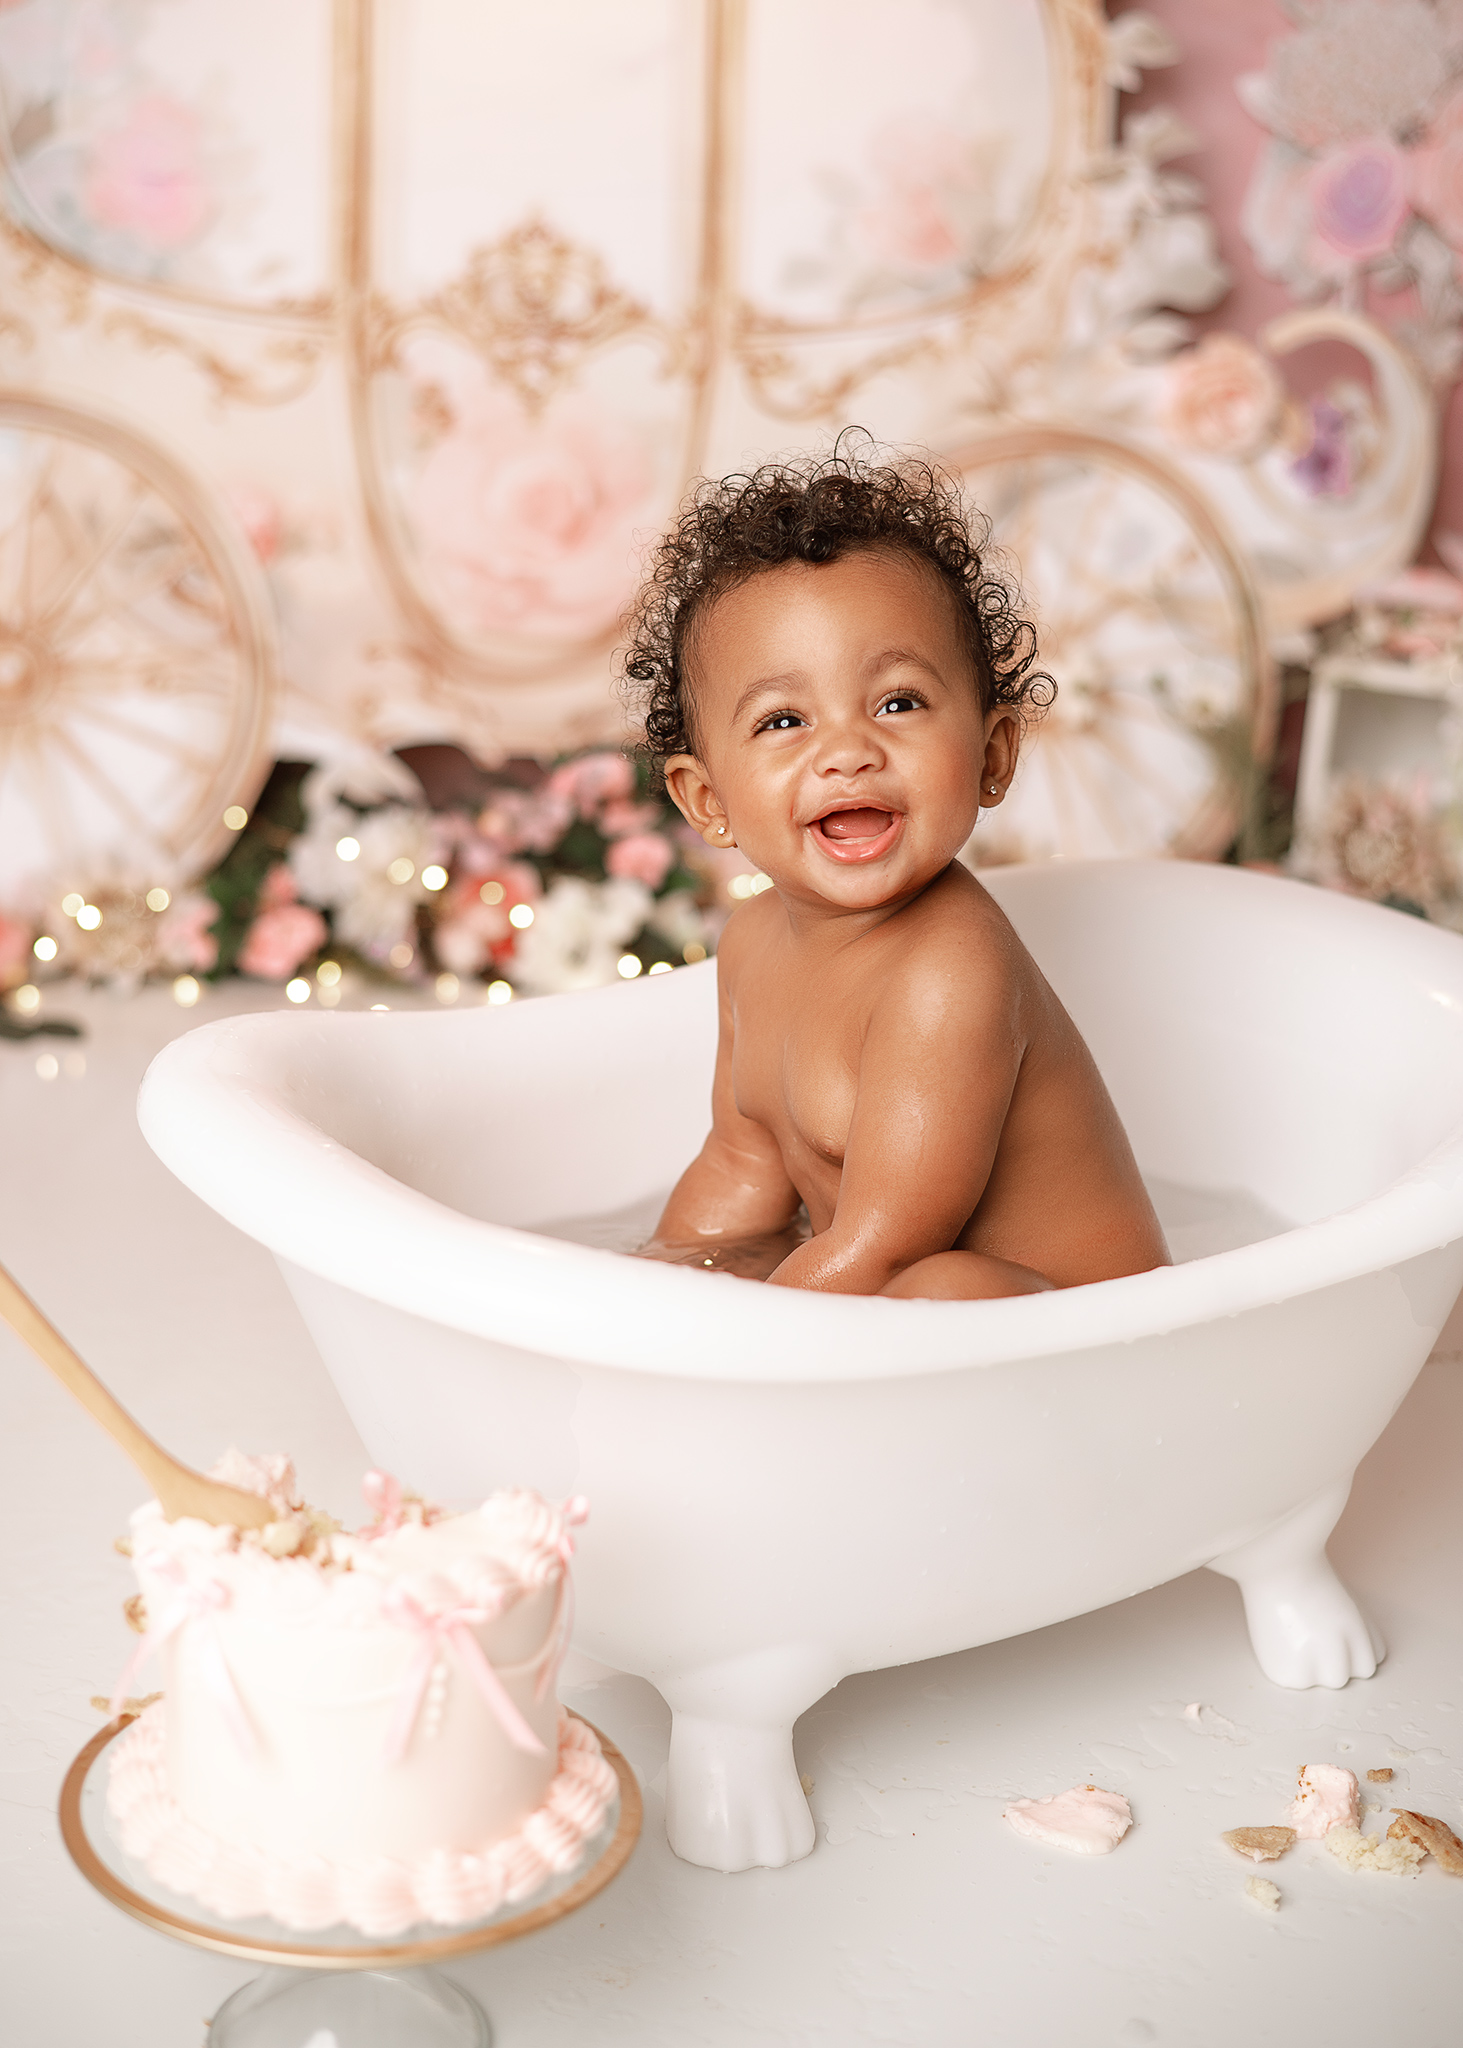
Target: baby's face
(840,730)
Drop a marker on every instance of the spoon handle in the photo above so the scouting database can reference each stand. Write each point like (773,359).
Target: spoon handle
(181,1491)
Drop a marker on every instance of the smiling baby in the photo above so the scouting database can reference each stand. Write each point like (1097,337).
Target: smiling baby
(835,680)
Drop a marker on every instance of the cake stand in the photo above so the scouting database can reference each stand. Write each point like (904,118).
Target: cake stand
(333,1988)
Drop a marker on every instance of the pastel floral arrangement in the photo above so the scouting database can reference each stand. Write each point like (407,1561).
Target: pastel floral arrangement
(526,880)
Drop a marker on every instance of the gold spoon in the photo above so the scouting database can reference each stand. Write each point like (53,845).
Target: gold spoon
(179,1489)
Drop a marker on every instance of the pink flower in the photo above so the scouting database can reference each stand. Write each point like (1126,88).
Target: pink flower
(277,887)
(523,821)
(146,177)
(15,953)
(592,780)
(932,209)
(619,820)
(258,513)
(1437,173)
(527,524)
(279,939)
(186,938)
(1221,398)
(1359,198)
(643,857)
(470,932)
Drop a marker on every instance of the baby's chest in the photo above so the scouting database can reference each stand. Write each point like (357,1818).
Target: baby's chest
(800,1082)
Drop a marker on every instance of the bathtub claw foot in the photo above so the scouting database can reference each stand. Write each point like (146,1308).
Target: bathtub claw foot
(733,1798)
(1305,1627)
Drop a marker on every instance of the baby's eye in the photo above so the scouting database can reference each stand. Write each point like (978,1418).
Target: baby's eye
(781,721)
(903,700)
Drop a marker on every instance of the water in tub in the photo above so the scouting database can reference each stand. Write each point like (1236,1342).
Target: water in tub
(1196,1221)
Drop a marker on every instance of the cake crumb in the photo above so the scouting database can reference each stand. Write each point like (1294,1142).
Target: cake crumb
(1433,1836)
(806,1781)
(1393,1855)
(1263,1894)
(134,1613)
(1381,1777)
(1261,1845)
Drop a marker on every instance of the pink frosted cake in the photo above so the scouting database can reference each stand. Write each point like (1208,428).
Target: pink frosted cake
(357,1729)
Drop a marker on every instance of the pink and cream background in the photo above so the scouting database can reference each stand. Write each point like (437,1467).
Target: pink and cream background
(406,327)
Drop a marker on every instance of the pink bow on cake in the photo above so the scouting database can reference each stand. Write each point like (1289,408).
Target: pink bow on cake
(452,1625)
(198,1603)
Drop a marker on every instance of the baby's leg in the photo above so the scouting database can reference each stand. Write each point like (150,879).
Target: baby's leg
(965,1276)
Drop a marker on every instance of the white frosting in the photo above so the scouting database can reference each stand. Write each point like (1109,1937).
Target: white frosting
(1327,1796)
(289,1678)
(1086,1820)
(380,1895)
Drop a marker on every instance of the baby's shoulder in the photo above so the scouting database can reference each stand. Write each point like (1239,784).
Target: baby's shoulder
(958,941)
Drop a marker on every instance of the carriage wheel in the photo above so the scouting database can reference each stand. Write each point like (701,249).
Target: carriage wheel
(1150,625)
(136,660)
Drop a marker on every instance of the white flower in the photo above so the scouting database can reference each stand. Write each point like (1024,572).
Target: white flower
(373,911)
(679,920)
(1137,43)
(579,931)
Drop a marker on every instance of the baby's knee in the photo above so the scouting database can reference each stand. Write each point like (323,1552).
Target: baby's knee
(965,1276)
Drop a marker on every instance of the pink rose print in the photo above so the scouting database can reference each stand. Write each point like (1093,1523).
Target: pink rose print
(619,820)
(643,857)
(524,821)
(1437,173)
(279,939)
(527,525)
(469,932)
(1221,398)
(931,209)
(593,780)
(146,177)
(1359,199)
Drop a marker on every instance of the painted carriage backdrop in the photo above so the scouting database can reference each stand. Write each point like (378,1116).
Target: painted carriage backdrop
(352,350)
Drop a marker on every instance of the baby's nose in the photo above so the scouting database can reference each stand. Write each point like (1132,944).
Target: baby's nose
(847,746)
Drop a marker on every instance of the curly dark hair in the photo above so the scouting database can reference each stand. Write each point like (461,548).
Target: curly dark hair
(817,509)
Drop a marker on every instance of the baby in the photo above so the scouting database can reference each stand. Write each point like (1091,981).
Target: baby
(834,681)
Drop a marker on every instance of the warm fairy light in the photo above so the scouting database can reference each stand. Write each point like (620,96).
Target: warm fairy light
(45,948)
(329,996)
(448,988)
(402,955)
(26,998)
(158,900)
(743,886)
(88,917)
(380,1006)
(432,877)
(48,1066)
(492,892)
(236,817)
(521,916)
(692,951)
(401,869)
(347,848)
(661,967)
(298,990)
(328,973)
(500,991)
(186,991)
(627,967)
(72,903)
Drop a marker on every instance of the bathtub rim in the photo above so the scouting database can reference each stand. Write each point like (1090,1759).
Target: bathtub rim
(517,1287)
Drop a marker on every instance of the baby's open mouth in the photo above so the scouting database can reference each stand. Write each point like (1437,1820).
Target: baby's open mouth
(865,823)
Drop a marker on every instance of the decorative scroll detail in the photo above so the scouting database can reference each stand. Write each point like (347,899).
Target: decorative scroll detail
(533,306)
(294,359)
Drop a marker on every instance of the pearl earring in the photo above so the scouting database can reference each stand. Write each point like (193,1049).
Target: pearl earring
(993,789)
(721,830)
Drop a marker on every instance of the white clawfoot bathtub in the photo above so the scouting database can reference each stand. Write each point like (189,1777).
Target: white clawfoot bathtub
(787,1487)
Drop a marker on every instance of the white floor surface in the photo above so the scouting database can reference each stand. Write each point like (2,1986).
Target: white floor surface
(920,1919)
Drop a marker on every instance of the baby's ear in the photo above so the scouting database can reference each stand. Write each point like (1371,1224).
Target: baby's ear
(697,802)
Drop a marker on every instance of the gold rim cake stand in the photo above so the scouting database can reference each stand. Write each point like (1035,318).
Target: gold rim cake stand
(357,1984)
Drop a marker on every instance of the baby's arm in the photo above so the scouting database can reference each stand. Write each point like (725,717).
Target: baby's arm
(734,1207)
(936,1073)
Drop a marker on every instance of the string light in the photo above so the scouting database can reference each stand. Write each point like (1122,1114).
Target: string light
(26,999)
(448,988)
(380,1006)
(500,992)
(186,991)
(692,951)
(45,948)
(298,990)
(347,848)
(743,886)
(236,817)
(329,996)
(328,973)
(521,916)
(627,967)
(401,869)
(158,900)
(402,955)
(433,877)
(492,892)
(88,917)
(72,903)
(48,1066)
(660,967)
